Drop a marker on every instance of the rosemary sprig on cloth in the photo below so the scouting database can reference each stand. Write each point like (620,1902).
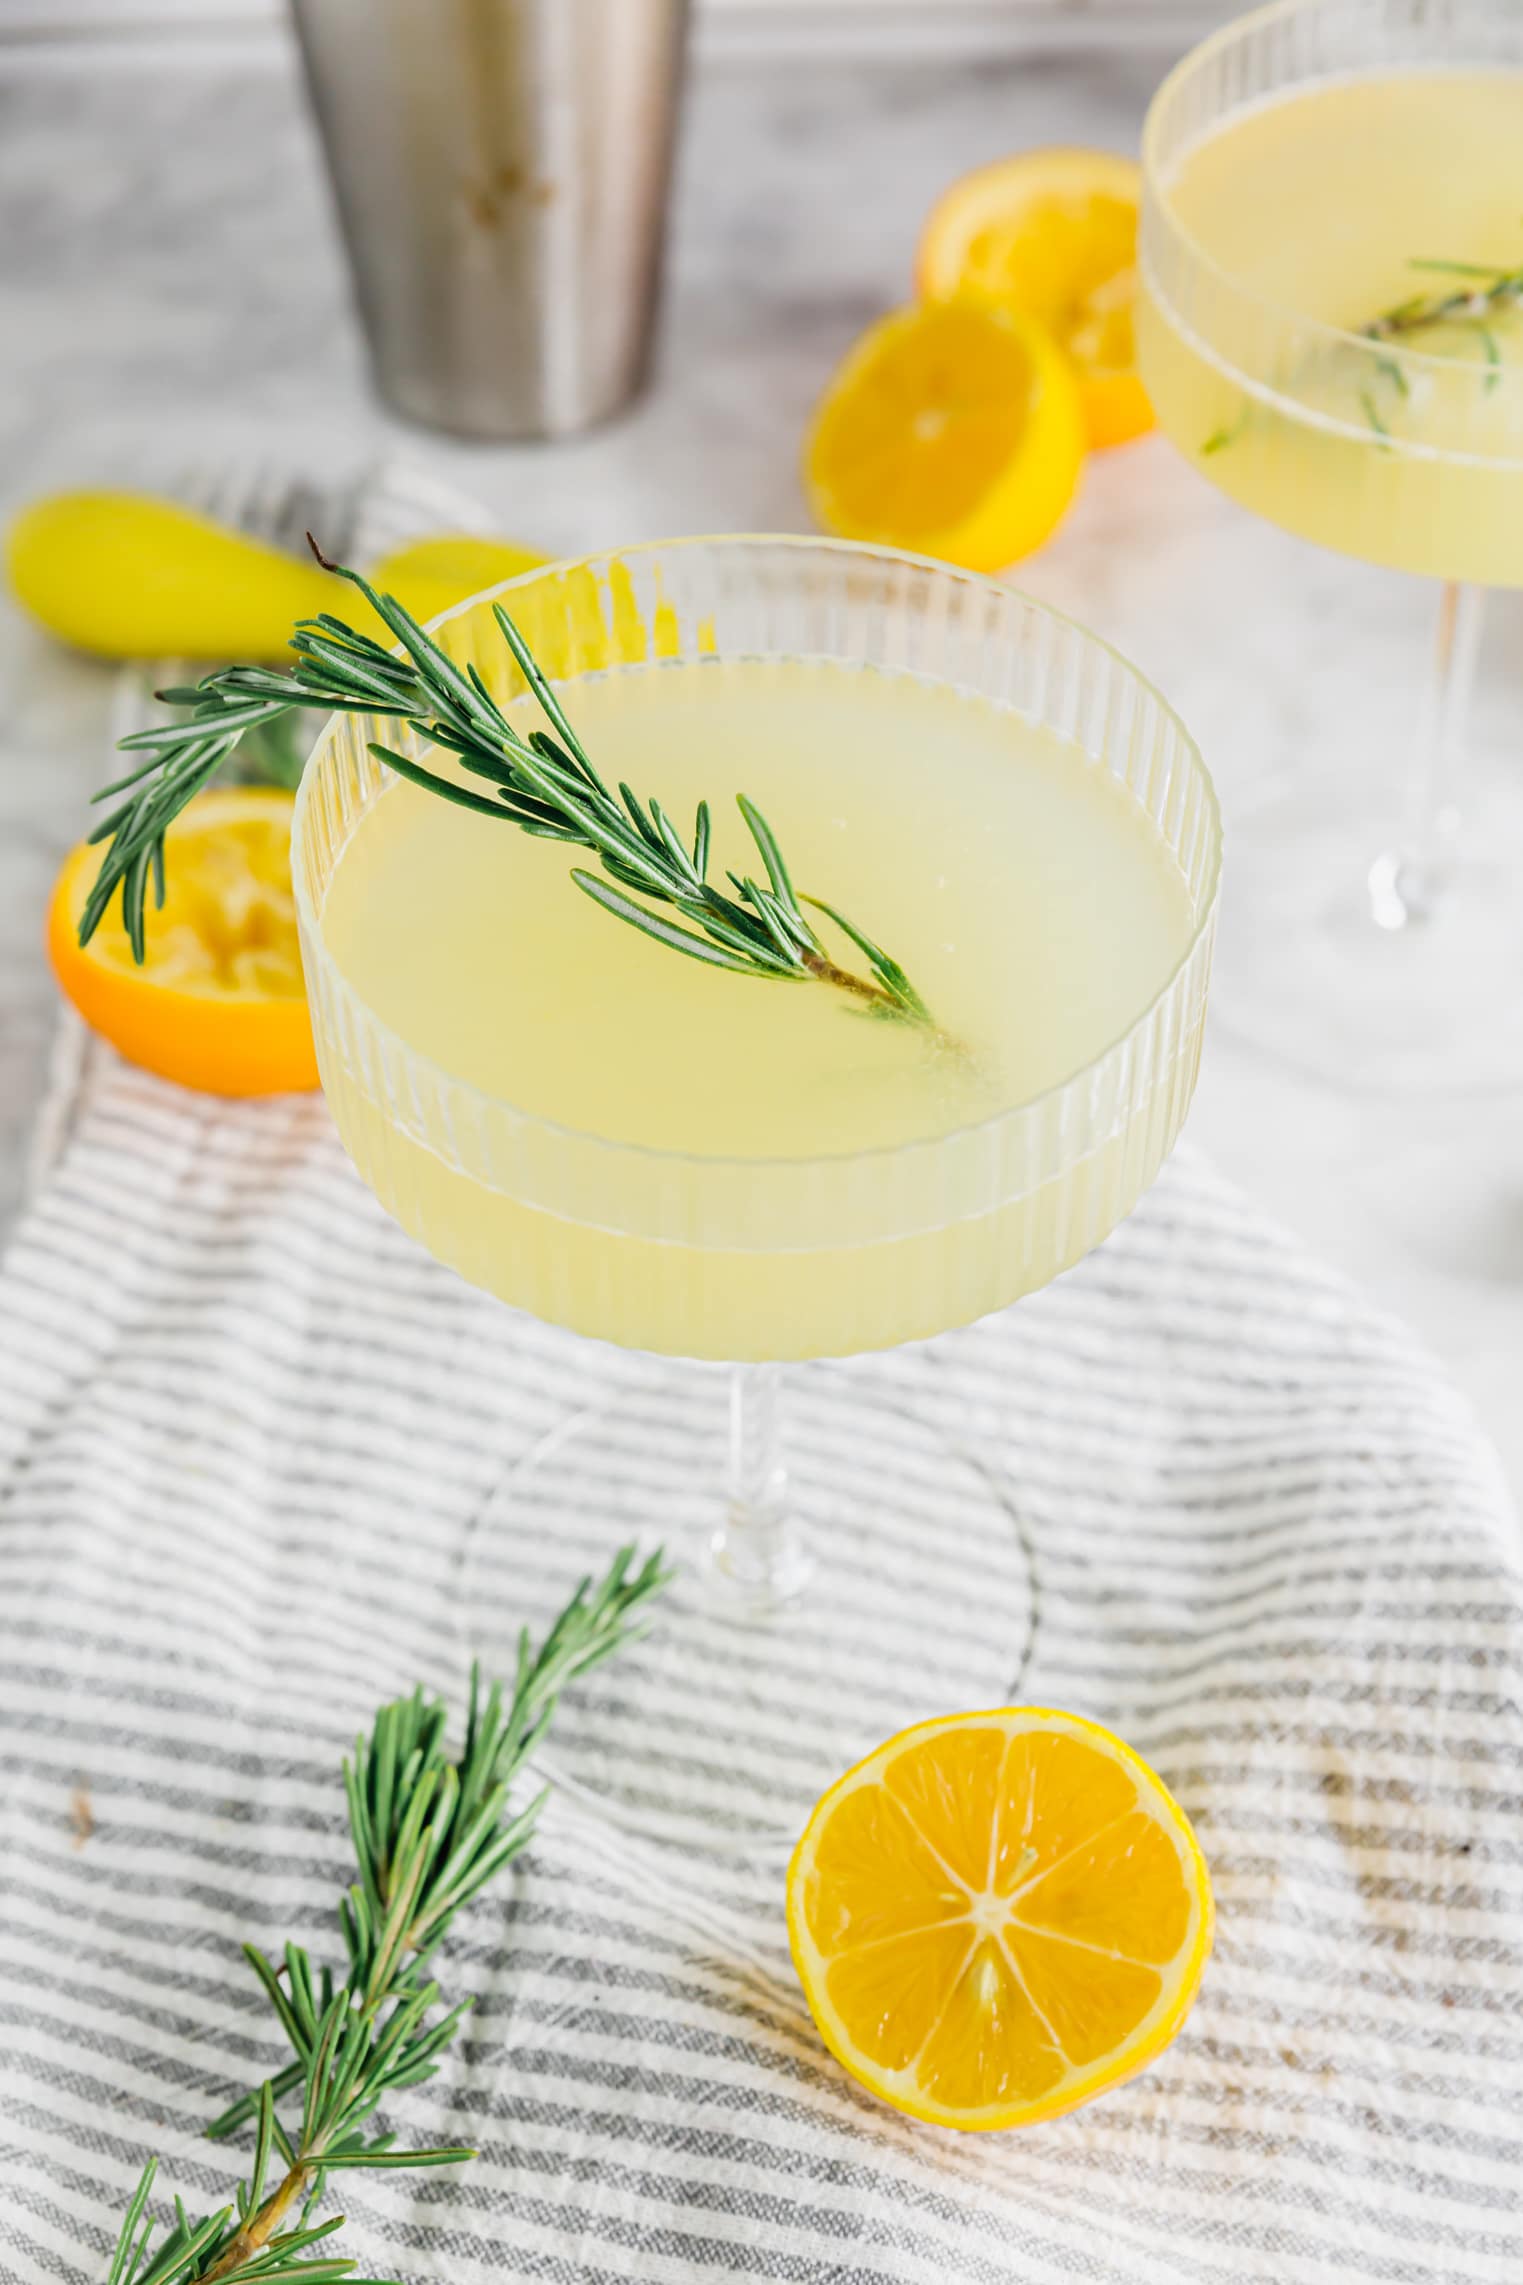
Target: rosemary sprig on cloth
(544,783)
(428,1834)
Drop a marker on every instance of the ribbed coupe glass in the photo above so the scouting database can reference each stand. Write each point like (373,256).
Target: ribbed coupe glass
(859,1571)
(1312,173)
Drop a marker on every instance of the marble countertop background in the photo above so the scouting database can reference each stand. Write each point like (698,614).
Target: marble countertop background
(171,290)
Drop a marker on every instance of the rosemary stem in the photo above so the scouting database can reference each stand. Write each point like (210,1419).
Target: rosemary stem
(883,1003)
(825,971)
(261,2226)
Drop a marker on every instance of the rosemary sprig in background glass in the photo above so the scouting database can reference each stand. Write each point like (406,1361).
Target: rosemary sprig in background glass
(1488,292)
(544,783)
(428,1834)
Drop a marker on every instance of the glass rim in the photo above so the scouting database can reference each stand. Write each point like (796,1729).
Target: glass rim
(584,1137)
(1222,40)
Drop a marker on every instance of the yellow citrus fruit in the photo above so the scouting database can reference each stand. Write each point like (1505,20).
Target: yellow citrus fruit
(129,576)
(1053,233)
(430,575)
(219,1002)
(953,428)
(132,577)
(997,1916)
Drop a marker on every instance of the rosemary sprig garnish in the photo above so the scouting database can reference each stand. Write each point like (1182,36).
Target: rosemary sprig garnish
(544,783)
(1488,290)
(428,1834)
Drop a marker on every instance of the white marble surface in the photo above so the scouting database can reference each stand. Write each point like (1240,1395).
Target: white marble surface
(170,288)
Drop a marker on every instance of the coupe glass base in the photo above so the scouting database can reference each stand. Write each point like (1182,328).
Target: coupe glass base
(1373,977)
(906,1590)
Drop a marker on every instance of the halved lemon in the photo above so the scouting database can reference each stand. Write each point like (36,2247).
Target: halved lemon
(1053,233)
(997,1916)
(219,1002)
(952,428)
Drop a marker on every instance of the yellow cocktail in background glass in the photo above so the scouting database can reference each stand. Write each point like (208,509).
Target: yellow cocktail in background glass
(637,1146)
(1406,448)
(1331,329)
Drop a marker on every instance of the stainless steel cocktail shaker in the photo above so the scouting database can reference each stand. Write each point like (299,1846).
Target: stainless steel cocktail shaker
(501,169)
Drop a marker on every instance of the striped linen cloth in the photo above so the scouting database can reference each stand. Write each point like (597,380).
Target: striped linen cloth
(245,1424)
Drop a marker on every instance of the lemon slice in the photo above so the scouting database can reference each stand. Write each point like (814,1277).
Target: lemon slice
(997,1916)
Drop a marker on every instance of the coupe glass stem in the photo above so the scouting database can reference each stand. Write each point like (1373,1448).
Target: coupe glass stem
(757,1561)
(1407,883)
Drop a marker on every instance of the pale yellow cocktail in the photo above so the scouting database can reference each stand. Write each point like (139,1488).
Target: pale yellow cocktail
(1283,235)
(1023,887)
